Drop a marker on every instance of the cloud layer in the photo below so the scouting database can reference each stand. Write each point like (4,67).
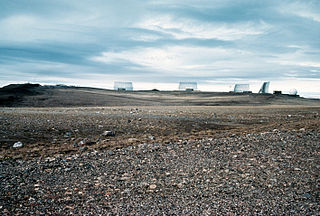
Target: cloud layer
(215,43)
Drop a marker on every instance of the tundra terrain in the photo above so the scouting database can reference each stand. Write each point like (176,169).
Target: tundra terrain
(94,151)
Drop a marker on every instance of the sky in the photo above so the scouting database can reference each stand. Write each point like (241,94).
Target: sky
(157,44)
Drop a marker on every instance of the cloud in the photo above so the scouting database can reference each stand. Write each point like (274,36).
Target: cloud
(303,57)
(159,41)
(24,28)
(188,28)
(170,59)
(201,62)
(304,9)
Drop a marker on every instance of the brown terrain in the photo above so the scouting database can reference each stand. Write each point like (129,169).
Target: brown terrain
(154,152)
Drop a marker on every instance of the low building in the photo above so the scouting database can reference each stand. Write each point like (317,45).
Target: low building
(241,88)
(123,86)
(277,92)
(188,86)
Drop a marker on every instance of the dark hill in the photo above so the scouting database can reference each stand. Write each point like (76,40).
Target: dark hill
(14,93)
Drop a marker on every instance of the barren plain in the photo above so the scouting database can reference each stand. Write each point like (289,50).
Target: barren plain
(92,151)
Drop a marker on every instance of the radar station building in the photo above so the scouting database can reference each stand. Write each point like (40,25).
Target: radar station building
(264,88)
(241,88)
(188,86)
(123,86)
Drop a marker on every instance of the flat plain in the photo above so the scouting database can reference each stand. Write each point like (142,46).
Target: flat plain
(94,151)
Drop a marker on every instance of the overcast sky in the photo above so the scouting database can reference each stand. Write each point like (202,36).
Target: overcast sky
(156,44)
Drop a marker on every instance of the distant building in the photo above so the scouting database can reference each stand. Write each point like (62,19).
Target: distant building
(264,88)
(277,92)
(293,92)
(188,86)
(241,88)
(123,86)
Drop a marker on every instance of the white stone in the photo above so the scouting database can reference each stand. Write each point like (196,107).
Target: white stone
(17,145)
(153,186)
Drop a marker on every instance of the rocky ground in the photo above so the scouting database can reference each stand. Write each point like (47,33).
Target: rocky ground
(160,160)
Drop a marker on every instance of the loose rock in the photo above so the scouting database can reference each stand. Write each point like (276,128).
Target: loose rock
(17,145)
(152,186)
(108,133)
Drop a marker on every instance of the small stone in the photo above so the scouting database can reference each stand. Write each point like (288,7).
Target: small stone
(307,195)
(144,184)
(84,148)
(110,152)
(179,185)
(90,143)
(126,191)
(17,145)
(81,143)
(50,159)
(108,133)
(132,140)
(152,186)
(124,178)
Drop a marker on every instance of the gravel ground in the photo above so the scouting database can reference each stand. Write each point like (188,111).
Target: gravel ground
(275,172)
(172,160)
(45,132)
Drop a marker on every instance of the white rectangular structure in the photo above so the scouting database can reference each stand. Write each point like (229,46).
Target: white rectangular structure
(241,88)
(188,86)
(123,86)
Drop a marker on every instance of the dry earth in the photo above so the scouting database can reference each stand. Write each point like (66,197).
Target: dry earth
(164,158)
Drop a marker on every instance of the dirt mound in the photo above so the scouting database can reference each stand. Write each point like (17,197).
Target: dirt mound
(27,88)
(14,93)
